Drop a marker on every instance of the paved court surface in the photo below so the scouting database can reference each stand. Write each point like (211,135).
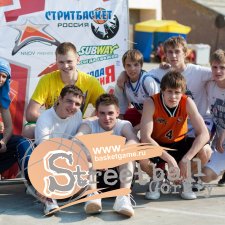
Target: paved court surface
(18,208)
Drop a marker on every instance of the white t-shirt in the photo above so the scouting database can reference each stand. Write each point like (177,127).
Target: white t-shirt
(196,77)
(216,100)
(136,93)
(50,125)
(117,129)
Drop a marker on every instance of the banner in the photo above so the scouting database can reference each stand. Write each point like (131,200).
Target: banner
(30,31)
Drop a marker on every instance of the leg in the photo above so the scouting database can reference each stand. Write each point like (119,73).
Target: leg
(214,167)
(146,166)
(210,175)
(28,130)
(128,170)
(24,148)
(123,204)
(8,158)
(93,206)
(204,155)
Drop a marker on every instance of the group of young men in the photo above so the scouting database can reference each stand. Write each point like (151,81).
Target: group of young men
(170,108)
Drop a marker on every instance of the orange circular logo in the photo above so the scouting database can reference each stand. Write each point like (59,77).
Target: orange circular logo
(58,168)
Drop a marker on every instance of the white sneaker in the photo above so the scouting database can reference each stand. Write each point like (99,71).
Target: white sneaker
(93,206)
(187,192)
(123,206)
(50,205)
(153,192)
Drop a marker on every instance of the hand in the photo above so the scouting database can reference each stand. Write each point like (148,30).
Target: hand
(3,147)
(164,65)
(122,79)
(183,169)
(172,163)
(174,172)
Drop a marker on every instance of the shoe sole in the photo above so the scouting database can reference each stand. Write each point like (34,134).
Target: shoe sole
(92,208)
(125,213)
(221,185)
(50,213)
(188,198)
(156,197)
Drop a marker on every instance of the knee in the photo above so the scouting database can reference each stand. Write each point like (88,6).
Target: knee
(210,175)
(205,154)
(28,131)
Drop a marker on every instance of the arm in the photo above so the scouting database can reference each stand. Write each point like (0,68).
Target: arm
(84,129)
(202,134)
(123,101)
(122,79)
(220,141)
(7,121)
(95,89)
(147,128)
(32,112)
(128,132)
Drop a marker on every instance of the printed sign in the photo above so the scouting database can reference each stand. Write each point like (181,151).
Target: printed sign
(31,31)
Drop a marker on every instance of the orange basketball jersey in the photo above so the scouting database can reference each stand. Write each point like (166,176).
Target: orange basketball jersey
(169,127)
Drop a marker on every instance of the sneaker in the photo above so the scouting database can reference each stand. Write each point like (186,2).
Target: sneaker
(93,206)
(123,205)
(196,187)
(153,192)
(187,192)
(50,205)
(221,182)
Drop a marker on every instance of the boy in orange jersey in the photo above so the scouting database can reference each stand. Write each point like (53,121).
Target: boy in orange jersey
(164,122)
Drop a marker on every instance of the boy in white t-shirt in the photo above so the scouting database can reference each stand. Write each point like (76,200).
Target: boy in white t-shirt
(216,98)
(62,120)
(107,111)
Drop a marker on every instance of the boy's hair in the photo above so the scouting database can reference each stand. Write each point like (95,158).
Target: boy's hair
(133,55)
(64,47)
(174,42)
(106,99)
(218,56)
(174,80)
(76,91)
